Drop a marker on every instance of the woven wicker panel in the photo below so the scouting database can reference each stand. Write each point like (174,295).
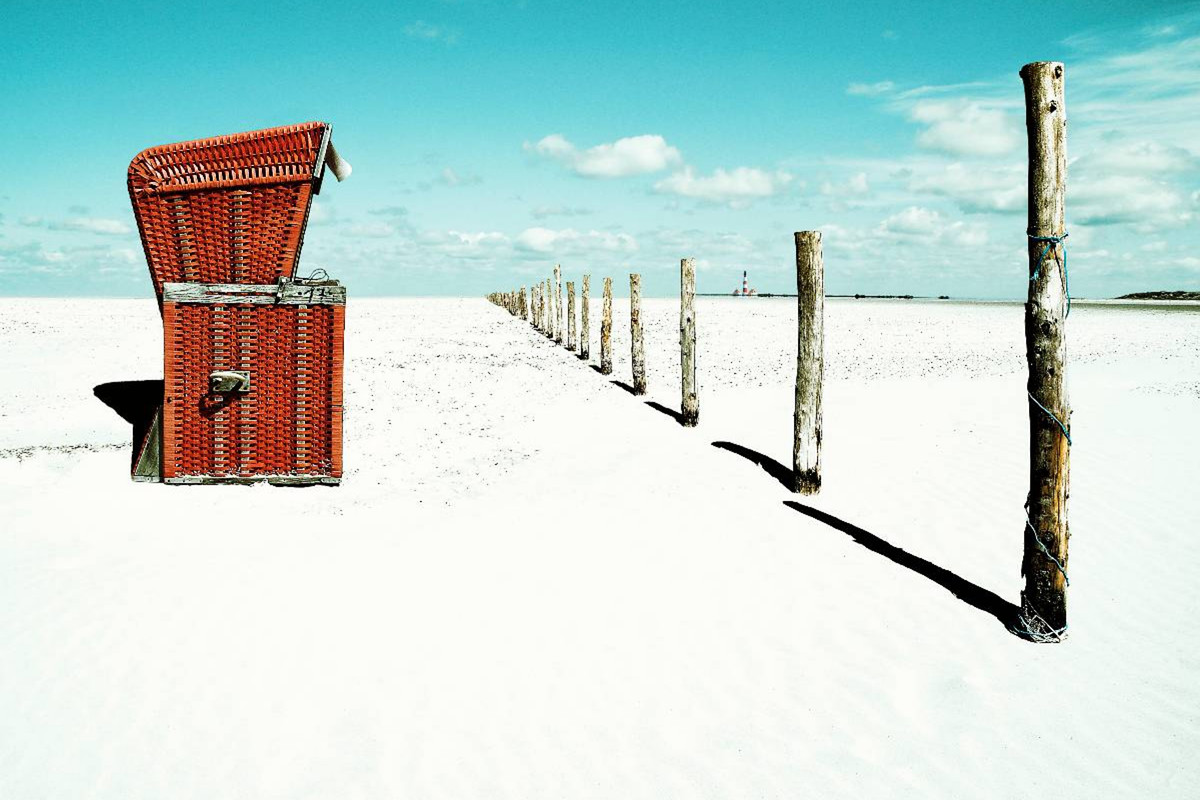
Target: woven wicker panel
(289,423)
(231,209)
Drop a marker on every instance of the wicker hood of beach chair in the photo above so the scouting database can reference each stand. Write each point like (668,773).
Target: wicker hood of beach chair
(230,209)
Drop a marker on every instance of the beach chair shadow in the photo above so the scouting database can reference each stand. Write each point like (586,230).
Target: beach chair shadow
(136,402)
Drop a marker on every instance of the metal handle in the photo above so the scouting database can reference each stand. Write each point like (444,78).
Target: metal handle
(229,381)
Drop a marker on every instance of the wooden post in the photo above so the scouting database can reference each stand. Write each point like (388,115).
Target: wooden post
(549,308)
(1043,616)
(535,301)
(690,405)
(810,361)
(558,304)
(606,330)
(585,332)
(635,333)
(524,305)
(571,315)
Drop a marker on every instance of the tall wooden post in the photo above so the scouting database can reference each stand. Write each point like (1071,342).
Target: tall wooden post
(549,308)
(1043,616)
(571,315)
(558,304)
(690,405)
(536,298)
(524,305)
(810,361)
(635,333)
(585,331)
(606,330)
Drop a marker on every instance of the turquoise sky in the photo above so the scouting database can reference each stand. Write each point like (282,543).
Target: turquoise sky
(491,139)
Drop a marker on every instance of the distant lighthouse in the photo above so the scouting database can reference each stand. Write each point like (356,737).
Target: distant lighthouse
(745,291)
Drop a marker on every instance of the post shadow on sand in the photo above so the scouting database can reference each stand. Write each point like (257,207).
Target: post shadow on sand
(769,465)
(135,402)
(659,407)
(961,588)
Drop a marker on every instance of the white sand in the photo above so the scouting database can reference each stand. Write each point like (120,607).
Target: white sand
(533,585)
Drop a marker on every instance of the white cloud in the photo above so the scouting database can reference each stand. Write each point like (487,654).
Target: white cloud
(374,230)
(856,185)
(975,188)
(430,33)
(541,212)
(104,227)
(449,177)
(870,89)
(481,245)
(1114,199)
(965,127)
(736,186)
(926,227)
(1137,157)
(632,155)
(569,240)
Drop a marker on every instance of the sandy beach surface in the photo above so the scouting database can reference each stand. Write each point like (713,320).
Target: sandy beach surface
(533,584)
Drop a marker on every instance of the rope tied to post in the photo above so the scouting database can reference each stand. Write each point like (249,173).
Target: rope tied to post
(1045,632)
(1049,633)
(1041,546)
(1051,241)
(1052,416)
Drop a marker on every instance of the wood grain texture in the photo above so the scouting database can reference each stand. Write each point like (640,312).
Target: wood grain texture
(690,403)
(585,331)
(571,315)
(810,361)
(606,362)
(558,304)
(1044,599)
(253,294)
(638,345)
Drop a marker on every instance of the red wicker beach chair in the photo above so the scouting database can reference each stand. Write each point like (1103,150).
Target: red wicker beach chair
(231,209)
(253,382)
(252,356)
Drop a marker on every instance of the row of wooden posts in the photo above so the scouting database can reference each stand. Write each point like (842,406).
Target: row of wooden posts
(544,310)
(1042,616)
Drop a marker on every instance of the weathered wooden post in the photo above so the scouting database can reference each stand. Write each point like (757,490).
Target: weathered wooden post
(571,315)
(585,332)
(810,361)
(635,332)
(534,300)
(558,304)
(524,305)
(690,405)
(606,330)
(549,308)
(1043,615)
